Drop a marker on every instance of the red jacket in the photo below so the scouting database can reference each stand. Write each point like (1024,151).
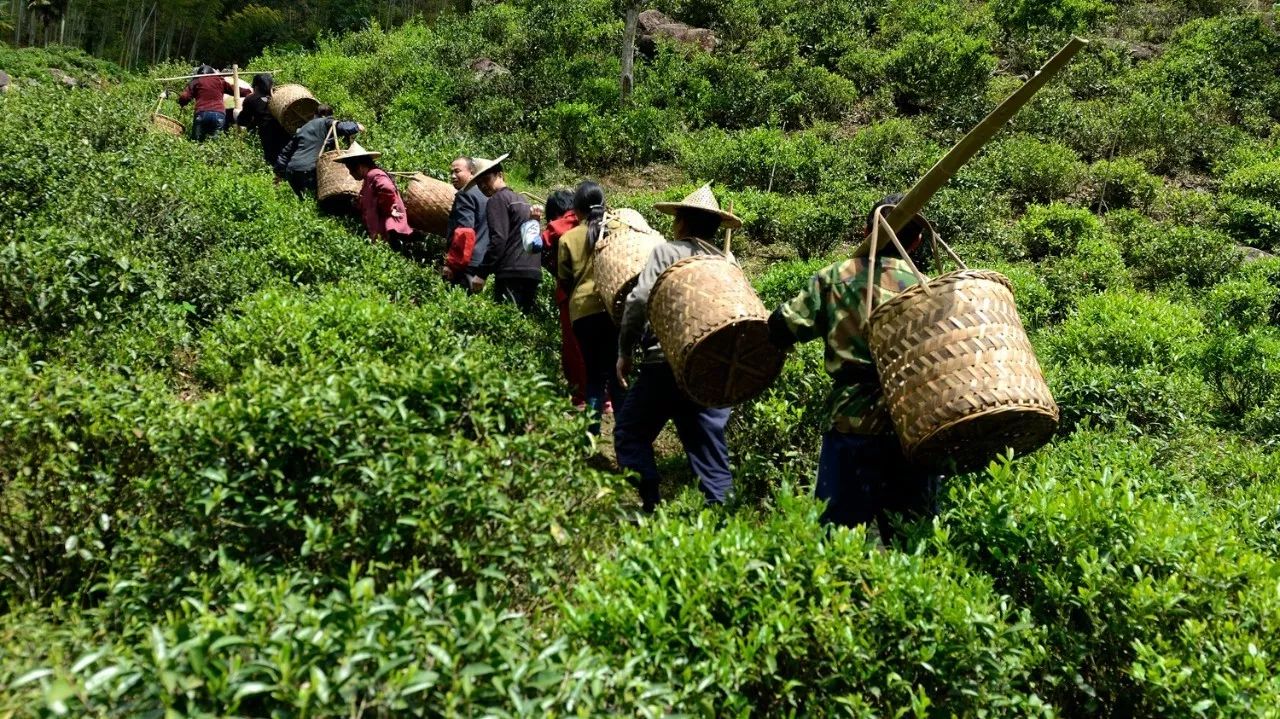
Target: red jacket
(207,91)
(378,196)
(551,235)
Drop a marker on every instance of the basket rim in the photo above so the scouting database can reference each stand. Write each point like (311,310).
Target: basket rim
(947,278)
(1054,415)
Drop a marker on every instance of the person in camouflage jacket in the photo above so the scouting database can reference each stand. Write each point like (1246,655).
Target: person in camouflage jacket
(862,473)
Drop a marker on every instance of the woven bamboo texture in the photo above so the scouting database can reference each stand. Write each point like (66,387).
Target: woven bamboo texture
(714,331)
(960,377)
(336,189)
(292,106)
(168,125)
(428,202)
(624,247)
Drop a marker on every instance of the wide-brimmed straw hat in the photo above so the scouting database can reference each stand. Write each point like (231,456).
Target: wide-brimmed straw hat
(918,221)
(356,152)
(483,166)
(701,200)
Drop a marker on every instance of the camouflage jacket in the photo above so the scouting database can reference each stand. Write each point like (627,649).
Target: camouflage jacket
(831,307)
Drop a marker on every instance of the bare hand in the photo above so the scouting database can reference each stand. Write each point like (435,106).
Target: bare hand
(535,212)
(276,180)
(447,273)
(624,370)
(477,284)
(396,213)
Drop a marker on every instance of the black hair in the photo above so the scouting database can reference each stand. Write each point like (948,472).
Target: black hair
(588,202)
(912,235)
(204,70)
(558,203)
(698,223)
(262,84)
(324,111)
(471,162)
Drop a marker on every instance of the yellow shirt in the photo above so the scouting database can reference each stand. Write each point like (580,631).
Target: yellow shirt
(577,269)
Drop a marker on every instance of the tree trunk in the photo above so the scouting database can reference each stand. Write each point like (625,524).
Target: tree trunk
(629,53)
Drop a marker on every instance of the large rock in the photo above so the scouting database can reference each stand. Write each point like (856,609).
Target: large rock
(63,77)
(5,82)
(486,69)
(653,24)
(1253,254)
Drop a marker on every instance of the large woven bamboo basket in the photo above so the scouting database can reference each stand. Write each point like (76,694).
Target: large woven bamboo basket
(336,189)
(960,377)
(714,331)
(624,247)
(292,106)
(428,202)
(168,125)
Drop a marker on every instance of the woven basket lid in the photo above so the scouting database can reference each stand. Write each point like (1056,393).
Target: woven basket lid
(701,200)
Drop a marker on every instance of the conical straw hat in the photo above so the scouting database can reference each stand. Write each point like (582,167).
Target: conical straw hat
(702,200)
(483,166)
(356,152)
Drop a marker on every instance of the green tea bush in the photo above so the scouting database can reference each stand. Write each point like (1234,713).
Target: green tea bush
(372,463)
(71,442)
(1122,182)
(1057,229)
(1124,584)
(1129,330)
(1030,171)
(1243,303)
(1164,254)
(1244,367)
(786,616)
(1096,265)
(1142,401)
(418,645)
(929,71)
(1026,17)
(1251,203)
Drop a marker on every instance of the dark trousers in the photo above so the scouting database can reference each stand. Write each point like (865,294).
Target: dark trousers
(866,477)
(654,399)
(520,291)
(598,339)
(302,181)
(208,124)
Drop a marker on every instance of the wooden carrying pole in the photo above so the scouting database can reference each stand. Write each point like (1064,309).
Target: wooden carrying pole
(233,73)
(944,169)
(728,231)
(235,88)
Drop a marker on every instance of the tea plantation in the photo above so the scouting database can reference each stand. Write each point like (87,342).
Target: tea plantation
(253,465)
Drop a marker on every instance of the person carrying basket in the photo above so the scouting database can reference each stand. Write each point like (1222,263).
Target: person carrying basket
(862,473)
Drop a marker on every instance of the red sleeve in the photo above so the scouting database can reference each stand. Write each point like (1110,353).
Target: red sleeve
(463,242)
(186,95)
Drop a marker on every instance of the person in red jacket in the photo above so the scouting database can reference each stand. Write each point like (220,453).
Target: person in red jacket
(560,219)
(380,204)
(211,113)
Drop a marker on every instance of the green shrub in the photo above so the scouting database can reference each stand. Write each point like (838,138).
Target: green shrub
(1251,203)
(1025,17)
(1122,182)
(1097,265)
(1029,170)
(1244,367)
(1146,400)
(786,616)
(1129,330)
(1164,254)
(1057,229)
(934,70)
(1123,583)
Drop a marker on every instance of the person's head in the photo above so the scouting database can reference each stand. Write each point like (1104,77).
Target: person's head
(204,70)
(262,83)
(558,203)
(461,170)
(324,111)
(360,167)
(695,223)
(588,203)
(491,180)
(912,235)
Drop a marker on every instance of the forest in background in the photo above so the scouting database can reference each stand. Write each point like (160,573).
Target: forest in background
(252,465)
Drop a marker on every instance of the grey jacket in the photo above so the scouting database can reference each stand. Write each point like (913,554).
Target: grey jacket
(301,153)
(635,329)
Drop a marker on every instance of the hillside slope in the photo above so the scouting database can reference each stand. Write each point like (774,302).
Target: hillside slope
(252,465)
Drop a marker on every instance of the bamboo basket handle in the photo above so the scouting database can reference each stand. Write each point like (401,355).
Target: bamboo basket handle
(159,104)
(728,231)
(882,225)
(333,132)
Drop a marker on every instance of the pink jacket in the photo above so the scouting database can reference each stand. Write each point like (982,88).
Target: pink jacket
(378,195)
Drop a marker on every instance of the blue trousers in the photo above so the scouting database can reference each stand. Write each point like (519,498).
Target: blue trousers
(866,477)
(598,339)
(654,399)
(208,124)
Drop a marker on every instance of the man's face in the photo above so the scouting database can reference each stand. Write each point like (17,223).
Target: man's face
(488,183)
(459,174)
(357,170)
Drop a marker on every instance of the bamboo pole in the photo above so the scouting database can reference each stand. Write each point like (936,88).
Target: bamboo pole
(215,74)
(728,231)
(968,146)
(235,90)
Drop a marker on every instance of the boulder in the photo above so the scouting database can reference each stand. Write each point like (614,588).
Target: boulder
(486,69)
(4,81)
(63,77)
(1253,254)
(653,24)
